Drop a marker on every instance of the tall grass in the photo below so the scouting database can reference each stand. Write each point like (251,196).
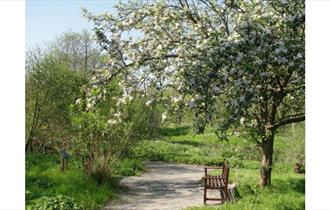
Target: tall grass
(43,178)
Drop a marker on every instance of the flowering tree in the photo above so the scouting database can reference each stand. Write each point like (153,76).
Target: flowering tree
(247,54)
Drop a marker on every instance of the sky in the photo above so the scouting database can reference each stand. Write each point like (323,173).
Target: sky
(48,19)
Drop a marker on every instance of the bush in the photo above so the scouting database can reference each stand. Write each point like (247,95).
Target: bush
(51,86)
(44,178)
(235,162)
(128,167)
(59,202)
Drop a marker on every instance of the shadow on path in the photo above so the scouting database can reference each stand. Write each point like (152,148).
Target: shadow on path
(164,186)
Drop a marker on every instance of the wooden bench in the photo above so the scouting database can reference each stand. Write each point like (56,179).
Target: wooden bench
(218,182)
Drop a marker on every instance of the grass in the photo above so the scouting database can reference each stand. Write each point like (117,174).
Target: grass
(181,146)
(286,193)
(43,178)
(199,149)
(178,144)
(288,188)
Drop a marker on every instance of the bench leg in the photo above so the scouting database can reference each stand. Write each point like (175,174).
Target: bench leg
(204,195)
(226,197)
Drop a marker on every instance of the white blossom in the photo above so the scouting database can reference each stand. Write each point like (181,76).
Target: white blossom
(118,114)
(253,123)
(78,101)
(192,103)
(176,99)
(112,122)
(149,102)
(164,116)
(236,133)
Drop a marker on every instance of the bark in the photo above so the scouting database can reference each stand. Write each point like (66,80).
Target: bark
(267,161)
(36,112)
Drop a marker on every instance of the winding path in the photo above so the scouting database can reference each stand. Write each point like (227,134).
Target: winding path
(163,186)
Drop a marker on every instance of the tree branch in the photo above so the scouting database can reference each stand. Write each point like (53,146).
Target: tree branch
(290,119)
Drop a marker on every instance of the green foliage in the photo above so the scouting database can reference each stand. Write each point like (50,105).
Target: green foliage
(128,167)
(247,54)
(99,143)
(291,147)
(58,202)
(287,192)
(105,131)
(50,88)
(146,120)
(179,144)
(174,131)
(43,178)
(79,50)
(208,51)
(54,77)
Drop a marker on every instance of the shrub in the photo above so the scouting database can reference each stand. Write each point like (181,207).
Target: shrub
(59,202)
(51,86)
(128,167)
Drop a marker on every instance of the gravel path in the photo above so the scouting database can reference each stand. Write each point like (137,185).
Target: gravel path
(163,186)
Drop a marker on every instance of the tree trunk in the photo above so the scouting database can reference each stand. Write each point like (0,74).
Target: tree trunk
(267,161)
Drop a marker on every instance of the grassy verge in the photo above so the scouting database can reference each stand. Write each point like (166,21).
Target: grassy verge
(287,190)
(43,178)
(178,144)
(286,193)
(181,146)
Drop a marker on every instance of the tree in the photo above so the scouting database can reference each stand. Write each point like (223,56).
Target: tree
(107,126)
(51,86)
(249,54)
(79,49)
(54,76)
